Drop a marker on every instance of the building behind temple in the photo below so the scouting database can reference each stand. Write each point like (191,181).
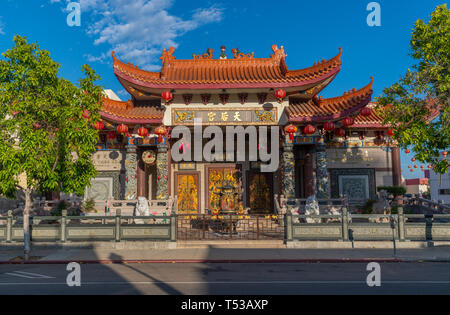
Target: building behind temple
(328,146)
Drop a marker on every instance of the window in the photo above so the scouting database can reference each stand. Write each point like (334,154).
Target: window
(444,191)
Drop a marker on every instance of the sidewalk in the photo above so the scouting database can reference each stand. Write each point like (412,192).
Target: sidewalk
(213,254)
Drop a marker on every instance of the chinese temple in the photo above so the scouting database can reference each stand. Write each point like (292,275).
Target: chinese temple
(330,147)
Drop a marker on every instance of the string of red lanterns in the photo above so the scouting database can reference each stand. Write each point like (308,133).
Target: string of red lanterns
(291,130)
(122,129)
(329,126)
(348,121)
(99,125)
(160,131)
(340,132)
(280,95)
(167,96)
(143,132)
(309,130)
(366,111)
(111,135)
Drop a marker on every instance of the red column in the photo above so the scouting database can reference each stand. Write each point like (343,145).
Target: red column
(141,180)
(309,173)
(396,167)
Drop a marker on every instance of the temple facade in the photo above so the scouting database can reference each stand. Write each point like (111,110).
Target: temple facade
(328,147)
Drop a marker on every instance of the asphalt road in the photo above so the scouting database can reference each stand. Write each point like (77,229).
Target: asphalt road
(227,279)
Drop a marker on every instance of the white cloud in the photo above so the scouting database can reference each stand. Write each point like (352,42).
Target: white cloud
(138,30)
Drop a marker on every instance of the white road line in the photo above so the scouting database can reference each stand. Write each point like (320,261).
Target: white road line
(230,282)
(17,275)
(29,275)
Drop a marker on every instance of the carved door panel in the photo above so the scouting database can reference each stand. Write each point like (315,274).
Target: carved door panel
(260,192)
(187,192)
(216,177)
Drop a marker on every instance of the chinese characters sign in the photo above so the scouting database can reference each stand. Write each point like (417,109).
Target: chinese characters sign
(222,116)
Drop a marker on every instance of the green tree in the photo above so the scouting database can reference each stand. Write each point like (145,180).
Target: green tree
(45,132)
(423,92)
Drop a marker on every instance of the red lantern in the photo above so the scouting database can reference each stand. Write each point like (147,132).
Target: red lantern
(390,133)
(415,166)
(329,126)
(407,151)
(111,135)
(411,170)
(86,114)
(160,131)
(98,125)
(167,96)
(309,130)
(143,132)
(409,166)
(340,132)
(429,166)
(445,153)
(122,129)
(280,95)
(413,159)
(366,111)
(291,129)
(348,121)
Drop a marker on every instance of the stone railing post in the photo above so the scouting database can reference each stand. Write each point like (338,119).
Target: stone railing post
(118,225)
(345,224)
(63,226)
(9,224)
(288,226)
(401,223)
(173,226)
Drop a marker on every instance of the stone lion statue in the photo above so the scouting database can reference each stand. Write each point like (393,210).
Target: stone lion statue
(382,206)
(312,208)
(141,210)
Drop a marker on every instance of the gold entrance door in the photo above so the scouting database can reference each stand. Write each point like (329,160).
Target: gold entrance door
(187,192)
(216,177)
(260,192)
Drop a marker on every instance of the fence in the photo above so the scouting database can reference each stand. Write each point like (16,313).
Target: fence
(343,227)
(81,228)
(230,227)
(365,227)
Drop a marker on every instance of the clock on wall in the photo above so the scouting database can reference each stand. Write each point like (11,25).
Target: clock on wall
(149,157)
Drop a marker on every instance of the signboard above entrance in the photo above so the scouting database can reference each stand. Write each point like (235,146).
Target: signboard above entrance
(225,116)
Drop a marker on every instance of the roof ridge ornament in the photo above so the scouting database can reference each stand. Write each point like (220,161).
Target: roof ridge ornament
(239,55)
(208,55)
(167,55)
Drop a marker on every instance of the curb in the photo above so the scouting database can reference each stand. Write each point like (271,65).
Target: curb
(215,261)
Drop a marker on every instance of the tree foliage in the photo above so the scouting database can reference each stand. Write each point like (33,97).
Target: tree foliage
(423,92)
(43,134)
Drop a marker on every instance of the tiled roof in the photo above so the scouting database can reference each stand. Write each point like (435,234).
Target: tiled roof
(331,109)
(125,112)
(374,120)
(243,71)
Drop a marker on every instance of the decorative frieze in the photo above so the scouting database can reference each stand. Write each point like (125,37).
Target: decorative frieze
(288,171)
(322,190)
(131,173)
(162,172)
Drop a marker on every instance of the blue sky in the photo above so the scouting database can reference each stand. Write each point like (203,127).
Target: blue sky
(138,31)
